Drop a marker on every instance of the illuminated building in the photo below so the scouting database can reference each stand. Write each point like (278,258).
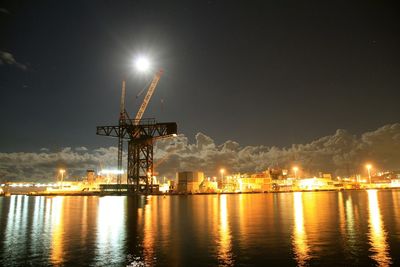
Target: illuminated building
(189,182)
(208,186)
(315,184)
(261,182)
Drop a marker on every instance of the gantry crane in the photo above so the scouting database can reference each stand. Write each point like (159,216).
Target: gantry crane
(140,134)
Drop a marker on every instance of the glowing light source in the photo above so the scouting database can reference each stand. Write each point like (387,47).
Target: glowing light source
(369,167)
(62,171)
(295,169)
(142,64)
(111,171)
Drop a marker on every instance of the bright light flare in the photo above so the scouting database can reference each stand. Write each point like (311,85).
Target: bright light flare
(142,64)
(112,171)
(368,166)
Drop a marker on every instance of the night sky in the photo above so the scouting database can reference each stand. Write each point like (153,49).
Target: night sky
(257,72)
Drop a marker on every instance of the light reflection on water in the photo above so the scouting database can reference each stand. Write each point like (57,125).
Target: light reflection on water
(57,220)
(224,244)
(351,233)
(396,212)
(377,234)
(354,228)
(110,228)
(300,245)
(149,210)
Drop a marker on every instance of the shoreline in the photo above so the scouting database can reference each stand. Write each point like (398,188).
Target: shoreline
(100,194)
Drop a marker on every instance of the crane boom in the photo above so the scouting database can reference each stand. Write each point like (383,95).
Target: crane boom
(147,97)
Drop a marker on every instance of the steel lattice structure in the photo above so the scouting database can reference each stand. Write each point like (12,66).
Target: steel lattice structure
(140,136)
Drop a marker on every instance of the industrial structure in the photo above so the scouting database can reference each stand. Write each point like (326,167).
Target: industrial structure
(189,182)
(140,135)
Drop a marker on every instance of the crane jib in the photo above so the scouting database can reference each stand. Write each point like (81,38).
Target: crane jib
(147,98)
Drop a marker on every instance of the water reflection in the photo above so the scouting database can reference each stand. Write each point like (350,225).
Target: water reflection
(37,226)
(225,256)
(110,228)
(342,217)
(16,229)
(148,234)
(57,221)
(396,212)
(350,228)
(301,248)
(202,230)
(377,234)
(84,219)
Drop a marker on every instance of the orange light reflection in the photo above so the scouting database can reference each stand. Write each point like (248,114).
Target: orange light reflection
(301,248)
(148,239)
(57,221)
(342,218)
(396,212)
(377,234)
(225,239)
(110,222)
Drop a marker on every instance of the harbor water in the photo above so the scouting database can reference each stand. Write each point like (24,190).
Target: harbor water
(347,228)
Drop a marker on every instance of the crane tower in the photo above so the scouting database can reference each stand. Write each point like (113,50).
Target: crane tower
(140,135)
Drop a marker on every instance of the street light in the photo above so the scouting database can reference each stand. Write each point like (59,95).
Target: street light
(369,167)
(222,171)
(295,169)
(62,171)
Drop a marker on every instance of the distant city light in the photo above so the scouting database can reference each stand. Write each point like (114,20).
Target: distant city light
(295,169)
(111,171)
(369,167)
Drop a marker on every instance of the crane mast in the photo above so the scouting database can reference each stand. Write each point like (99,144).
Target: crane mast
(147,98)
(140,137)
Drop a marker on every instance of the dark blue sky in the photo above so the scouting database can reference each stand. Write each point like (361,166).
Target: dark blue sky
(257,72)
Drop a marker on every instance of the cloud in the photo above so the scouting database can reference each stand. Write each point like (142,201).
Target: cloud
(81,148)
(341,153)
(43,166)
(8,59)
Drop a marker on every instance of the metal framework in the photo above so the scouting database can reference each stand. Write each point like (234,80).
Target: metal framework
(148,95)
(140,135)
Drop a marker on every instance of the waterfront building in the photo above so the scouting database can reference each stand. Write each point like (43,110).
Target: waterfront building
(189,182)
(259,182)
(315,183)
(208,186)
